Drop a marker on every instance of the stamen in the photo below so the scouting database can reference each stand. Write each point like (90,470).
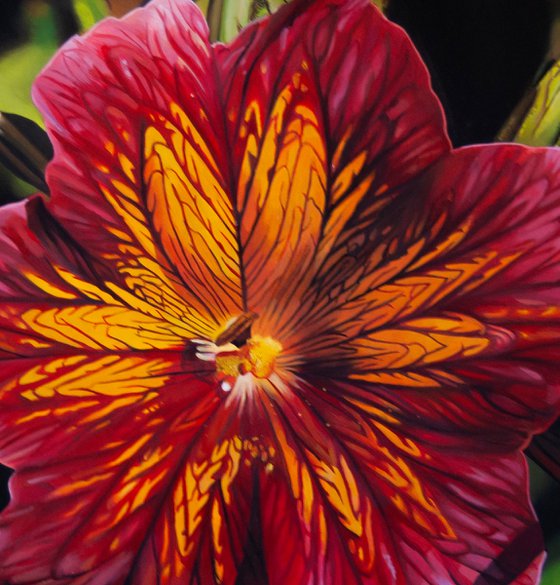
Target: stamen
(237,331)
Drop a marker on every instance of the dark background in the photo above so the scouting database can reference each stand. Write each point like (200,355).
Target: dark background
(482,54)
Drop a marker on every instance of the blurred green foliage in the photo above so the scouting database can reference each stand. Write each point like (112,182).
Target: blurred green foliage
(235,14)
(89,12)
(551,574)
(19,66)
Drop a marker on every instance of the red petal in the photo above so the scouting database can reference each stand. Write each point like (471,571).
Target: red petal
(201,533)
(96,443)
(140,170)
(56,299)
(507,199)
(331,527)
(510,198)
(299,552)
(329,113)
(437,503)
(545,450)
(481,279)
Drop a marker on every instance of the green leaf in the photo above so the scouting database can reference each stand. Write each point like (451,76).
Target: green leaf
(25,149)
(263,7)
(541,125)
(236,14)
(18,69)
(89,12)
(551,575)
(381,4)
(203,5)
(227,17)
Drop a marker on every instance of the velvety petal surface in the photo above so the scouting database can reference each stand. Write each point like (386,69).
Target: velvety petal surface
(95,456)
(481,279)
(456,358)
(56,299)
(140,170)
(96,398)
(329,114)
(382,498)
(298,180)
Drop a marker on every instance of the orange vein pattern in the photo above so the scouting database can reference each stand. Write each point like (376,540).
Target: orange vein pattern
(271,328)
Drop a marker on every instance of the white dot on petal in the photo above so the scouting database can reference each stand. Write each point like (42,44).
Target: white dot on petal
(226,386)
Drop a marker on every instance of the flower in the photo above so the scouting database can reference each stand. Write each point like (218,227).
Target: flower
(270,328)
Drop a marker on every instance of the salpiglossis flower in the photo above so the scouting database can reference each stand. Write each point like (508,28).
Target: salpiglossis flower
(270,328)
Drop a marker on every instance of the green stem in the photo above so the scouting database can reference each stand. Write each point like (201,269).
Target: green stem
(535,120)
(214,18)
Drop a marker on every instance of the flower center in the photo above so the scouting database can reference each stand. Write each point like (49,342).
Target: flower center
(257,356)
(240,357)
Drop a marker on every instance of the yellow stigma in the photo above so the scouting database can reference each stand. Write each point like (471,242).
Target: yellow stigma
(261,355)
(257,356)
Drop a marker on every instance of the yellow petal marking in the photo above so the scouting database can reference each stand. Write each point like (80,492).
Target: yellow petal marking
(80,376)
(193,215)
(48,287)
(102,327)
(281,197)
